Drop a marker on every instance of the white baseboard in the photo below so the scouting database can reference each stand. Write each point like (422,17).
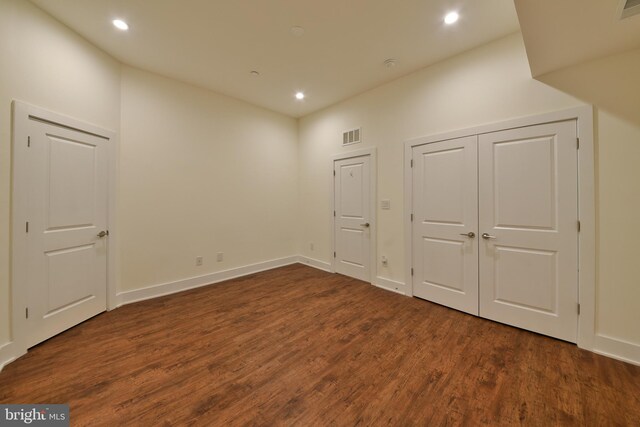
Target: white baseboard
(390,285)
(118,301)
(7,354)
(316,263)
(604,345)
(617,349)
(163,289)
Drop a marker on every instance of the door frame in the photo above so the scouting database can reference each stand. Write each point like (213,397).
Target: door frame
(373,229)
(586,203)
(22,113)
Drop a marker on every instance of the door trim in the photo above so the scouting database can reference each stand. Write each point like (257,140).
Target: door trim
(586,203)
(371,152)
(21,114)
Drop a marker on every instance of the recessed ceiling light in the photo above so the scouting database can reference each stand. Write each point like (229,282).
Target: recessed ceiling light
(451,17)
(299,95)
(120,24)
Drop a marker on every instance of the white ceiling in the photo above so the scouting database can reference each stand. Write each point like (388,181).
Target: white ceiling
(216,43)
(560,33)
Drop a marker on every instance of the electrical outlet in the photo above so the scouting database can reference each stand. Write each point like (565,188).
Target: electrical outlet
(220,257)
(311,245)
(198,261)
(384,260)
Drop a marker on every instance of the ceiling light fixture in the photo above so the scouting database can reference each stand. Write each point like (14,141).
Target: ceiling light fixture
(120,24)
(451,17)
(390,63)
(297,31)
(299,95)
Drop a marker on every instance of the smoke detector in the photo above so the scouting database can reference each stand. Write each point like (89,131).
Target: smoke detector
(296,31)
(390,63)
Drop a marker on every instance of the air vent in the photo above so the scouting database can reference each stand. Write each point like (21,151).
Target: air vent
(629,8)
(352,136)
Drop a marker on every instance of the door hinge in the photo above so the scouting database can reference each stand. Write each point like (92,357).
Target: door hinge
(412,271)
(26,312)
(334,254)
(26,227)
(411,217)
(334,172)
(28,141)
(578,308)
(411,162)
(578,143)
(579,226)
(334,213)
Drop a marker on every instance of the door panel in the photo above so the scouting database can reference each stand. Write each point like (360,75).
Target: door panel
(351,193)
(446,166)
(537,283)
(528,207)
(66,259)
(352,205)
(72,186)
(528,203)
(68,270)
(445,208)
(443,266)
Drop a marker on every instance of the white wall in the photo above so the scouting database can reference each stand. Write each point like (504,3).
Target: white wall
(201,173)
(612,85)
(46,64)
(484,85)
(489,84)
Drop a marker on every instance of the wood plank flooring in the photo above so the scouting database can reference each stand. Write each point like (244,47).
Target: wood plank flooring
(297,346)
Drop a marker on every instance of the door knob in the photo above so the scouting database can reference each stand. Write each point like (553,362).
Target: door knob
(488,236)
(470,234)
(365,225)
(103,233)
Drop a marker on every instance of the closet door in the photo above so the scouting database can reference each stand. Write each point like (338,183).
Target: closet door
(444,227)
(528,228)
(352,223)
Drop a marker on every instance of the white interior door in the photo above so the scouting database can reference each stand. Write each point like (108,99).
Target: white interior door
(445,223)
(352,226)
(529,212)
(66,259)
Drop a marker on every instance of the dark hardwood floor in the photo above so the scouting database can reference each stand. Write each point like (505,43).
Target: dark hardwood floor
(296,346)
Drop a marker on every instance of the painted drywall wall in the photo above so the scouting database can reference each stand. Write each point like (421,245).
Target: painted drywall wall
(611,84)
(201,173)
(46,64)
(487,84)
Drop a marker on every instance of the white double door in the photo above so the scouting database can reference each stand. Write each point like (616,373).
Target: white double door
(495,230)
(64,181)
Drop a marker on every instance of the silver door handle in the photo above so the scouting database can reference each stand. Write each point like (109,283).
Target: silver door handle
(365,225)
(488,236)
(470,234)
(103,233)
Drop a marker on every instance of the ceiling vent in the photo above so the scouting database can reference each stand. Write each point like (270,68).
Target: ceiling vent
(629,8)
(352,136)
